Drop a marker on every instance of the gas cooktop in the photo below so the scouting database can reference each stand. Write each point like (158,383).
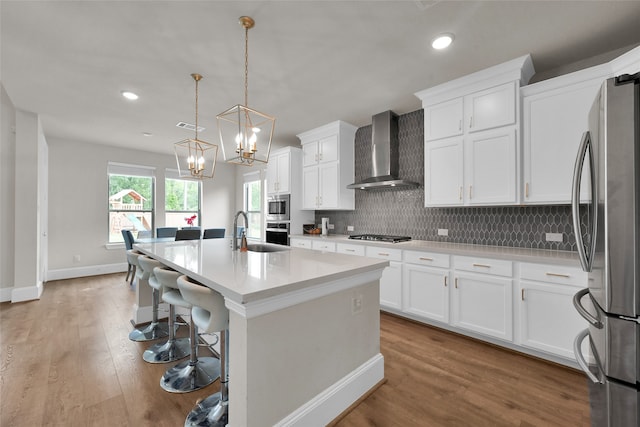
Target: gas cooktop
(380,238)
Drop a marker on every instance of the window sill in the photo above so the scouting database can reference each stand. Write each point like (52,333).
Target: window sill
(114,246)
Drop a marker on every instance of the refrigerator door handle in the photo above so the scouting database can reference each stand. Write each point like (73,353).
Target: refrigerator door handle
(577,350)
(577,303)
(585,259)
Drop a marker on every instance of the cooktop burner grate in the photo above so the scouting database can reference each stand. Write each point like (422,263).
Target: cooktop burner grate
(380,238)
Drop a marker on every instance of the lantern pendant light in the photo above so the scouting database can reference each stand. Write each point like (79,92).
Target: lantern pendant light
(196,158)
(245,133)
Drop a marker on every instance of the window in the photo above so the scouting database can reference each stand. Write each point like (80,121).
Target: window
(253,204)
(181,200)
(131,206)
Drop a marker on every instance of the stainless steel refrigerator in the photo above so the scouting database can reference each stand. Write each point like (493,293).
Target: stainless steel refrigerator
(608,238)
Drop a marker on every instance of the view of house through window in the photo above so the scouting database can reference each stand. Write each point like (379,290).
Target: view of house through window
(253,206)
(181,202)
(130,206)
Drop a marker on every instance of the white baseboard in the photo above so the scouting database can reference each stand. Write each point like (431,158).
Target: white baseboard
(326,406)
(89,270)
(5,294)
(25,293)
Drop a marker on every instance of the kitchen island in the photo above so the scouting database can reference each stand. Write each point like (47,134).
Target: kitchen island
(304,327)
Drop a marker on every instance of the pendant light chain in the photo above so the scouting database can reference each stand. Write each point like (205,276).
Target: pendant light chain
(246,66)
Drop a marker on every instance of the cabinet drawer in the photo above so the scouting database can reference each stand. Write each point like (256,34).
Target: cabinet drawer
(345,248)
(323,246)
(554,274)
(384,253)
(483,265)
(300,243)
(427,258)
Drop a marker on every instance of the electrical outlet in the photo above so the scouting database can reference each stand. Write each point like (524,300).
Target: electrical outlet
(443,231)
(554,237)
(349,227)
(76,258)
(356,304)
(330,226)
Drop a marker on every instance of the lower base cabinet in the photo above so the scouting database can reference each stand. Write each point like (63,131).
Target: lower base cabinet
(426,292)
(483,304)
(391,286)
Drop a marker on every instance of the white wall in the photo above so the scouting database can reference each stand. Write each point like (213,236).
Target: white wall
(7,193)
(78,192)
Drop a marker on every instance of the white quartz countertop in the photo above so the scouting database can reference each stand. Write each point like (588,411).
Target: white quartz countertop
(251,276)
(497,252)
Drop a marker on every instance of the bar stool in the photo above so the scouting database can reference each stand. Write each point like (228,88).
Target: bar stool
(132,261)
(209,314)
(197,372)
(175,348)
(155,329)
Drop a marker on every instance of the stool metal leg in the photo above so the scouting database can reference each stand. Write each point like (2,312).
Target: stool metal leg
(172,350)
(155,329)
(214,410)
(193,374)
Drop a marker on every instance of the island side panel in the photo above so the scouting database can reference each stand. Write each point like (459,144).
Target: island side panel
(282,360)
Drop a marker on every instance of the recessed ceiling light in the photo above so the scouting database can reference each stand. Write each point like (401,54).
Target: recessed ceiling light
(442,41)
(129,95)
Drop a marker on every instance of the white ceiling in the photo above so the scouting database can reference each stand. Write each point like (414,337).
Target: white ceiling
(310,62)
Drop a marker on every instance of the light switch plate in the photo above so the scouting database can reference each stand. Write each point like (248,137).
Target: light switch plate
(553,237)
(349,227)
(443,231)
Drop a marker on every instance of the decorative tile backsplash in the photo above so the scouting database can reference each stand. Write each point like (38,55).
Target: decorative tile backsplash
(402,212)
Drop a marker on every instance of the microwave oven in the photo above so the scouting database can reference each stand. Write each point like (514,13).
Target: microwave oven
(278,208)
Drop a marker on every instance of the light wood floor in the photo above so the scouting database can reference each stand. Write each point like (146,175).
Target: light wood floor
(66,360)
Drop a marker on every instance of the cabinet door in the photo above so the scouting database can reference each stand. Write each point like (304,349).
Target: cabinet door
(443,172)
(548,320)
(426,292)
(272,176)
(491,108)
(328,149)
(284,174)
(328,185)
(490,167)
(300,243)
(553,125)
(443,120)
(483,304)
(310,153)
(391,286)
(310,188)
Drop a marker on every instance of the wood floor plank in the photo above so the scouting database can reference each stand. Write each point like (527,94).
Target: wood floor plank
(66,360)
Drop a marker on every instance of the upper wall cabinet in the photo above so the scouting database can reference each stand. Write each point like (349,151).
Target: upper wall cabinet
(472,137)
(282,168)
(328,167)
(555,115)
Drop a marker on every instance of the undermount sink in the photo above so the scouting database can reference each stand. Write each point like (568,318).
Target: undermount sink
(265,248)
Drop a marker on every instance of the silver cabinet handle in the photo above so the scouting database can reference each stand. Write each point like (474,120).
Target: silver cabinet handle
(424,258)
(585,258)
(526,190)
(349,250)
(577,303)
(481,265)
(470,187)
(577,350)
(460,193)
(566,276)
(470,122)
(445,281)
(383,254)
(460,124)
(456,282)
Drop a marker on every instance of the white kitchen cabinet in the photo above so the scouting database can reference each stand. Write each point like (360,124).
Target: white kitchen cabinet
(490,167)
(296,242)
(444,172)
(328,167)
(350,249)
(480,113)
(323,245)
(279,170)
(546,317)
(481,299)
(425,289)
(391,280)
(555,115)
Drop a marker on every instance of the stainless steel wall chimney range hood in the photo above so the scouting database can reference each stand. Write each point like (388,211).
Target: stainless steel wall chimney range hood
(384,156)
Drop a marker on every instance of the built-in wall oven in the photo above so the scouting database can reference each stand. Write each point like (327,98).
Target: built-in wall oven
(278,208)
(278,233)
